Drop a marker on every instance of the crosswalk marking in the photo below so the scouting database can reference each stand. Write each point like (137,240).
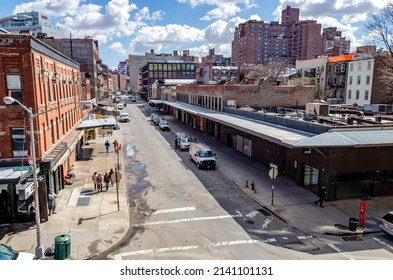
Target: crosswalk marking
(173,210)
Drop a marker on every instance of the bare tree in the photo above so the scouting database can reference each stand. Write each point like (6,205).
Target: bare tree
(381,25)
(273,70)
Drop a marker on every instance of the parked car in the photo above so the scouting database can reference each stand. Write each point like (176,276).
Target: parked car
(133,98)
(7,253)
(124,117)
(182,141)
(157,119)
(386,223)
(120,106)
(164,125)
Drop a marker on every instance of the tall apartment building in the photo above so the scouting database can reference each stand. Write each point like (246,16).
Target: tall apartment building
(49,83)
(34,23)
(86,52)
(258,42)
(334,43)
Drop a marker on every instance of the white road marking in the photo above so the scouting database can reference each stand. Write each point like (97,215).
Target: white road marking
(174,210)
(383,243)
(189,220)
(183,248)
(266,222)
(252,214)
(334,247)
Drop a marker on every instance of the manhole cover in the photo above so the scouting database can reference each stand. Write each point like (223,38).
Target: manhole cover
(83,201)
(249,222)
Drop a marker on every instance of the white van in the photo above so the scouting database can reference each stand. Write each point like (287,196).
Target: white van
(202,155)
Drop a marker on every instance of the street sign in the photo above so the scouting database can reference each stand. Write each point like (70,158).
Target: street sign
(39,179)
(113,176)
(273,173)
(22,168)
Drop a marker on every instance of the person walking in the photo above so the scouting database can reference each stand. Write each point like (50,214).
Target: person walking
(32,213)
(115,145)
(110,176)
(321,195)
(94,179)
(107,146)
(52,202)
(107,180)
(99,182)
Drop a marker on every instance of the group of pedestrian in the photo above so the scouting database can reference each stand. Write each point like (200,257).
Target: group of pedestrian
(102,180)
(115,145)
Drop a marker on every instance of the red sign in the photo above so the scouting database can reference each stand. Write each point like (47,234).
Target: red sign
(30,159)
(362,213)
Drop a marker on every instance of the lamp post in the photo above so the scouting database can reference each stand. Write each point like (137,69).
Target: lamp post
(39,250)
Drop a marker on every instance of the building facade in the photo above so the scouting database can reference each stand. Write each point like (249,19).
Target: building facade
(154,72)
(49,83)
(86,52)
(259,42)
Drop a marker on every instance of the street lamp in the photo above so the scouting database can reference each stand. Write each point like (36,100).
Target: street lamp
(39,250)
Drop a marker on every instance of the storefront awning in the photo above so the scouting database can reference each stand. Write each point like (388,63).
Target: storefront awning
(97,123)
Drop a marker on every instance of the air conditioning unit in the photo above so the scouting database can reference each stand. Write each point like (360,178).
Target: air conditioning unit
(307,151)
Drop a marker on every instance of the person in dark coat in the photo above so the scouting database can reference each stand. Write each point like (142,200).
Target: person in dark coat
(32,213)
(321,195)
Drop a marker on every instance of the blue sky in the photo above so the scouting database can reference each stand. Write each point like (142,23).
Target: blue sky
(125,27)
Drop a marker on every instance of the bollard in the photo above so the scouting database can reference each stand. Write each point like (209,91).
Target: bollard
(252,186)
(246,183)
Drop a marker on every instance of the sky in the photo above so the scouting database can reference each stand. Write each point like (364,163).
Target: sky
(124,27)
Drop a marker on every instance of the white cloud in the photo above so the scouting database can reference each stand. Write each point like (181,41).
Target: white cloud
(118,48)
(161,37)
(224,8)
(50,7)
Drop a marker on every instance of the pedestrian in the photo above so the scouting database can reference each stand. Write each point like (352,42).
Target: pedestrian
(32,213)
(176,143)
(99,182)
(94,179)
(107,180)
(321,195)
(110,176)
(52,202)
(115,145)
(107,146)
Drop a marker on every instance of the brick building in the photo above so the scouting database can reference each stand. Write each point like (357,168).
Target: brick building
(49,83)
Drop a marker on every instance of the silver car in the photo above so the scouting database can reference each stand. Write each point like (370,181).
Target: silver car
(7,253)
(386,223)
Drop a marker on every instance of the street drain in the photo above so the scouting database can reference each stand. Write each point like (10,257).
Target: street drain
(249,222)
(264,212)
(352,238)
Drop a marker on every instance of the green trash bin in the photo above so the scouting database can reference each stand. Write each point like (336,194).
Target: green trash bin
(62,246)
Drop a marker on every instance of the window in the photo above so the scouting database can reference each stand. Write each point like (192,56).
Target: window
(368,80)
(351,67)
(18,138)
(368,65)
(359,66)
(366,94)
(359,79)
(342,68)
(350,79)
(14,86)
(357,94)
(349,94)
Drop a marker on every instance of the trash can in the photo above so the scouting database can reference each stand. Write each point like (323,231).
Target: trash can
(353,224)
(62,246)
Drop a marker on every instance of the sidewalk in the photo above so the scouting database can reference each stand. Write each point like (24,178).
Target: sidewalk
(91,220)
